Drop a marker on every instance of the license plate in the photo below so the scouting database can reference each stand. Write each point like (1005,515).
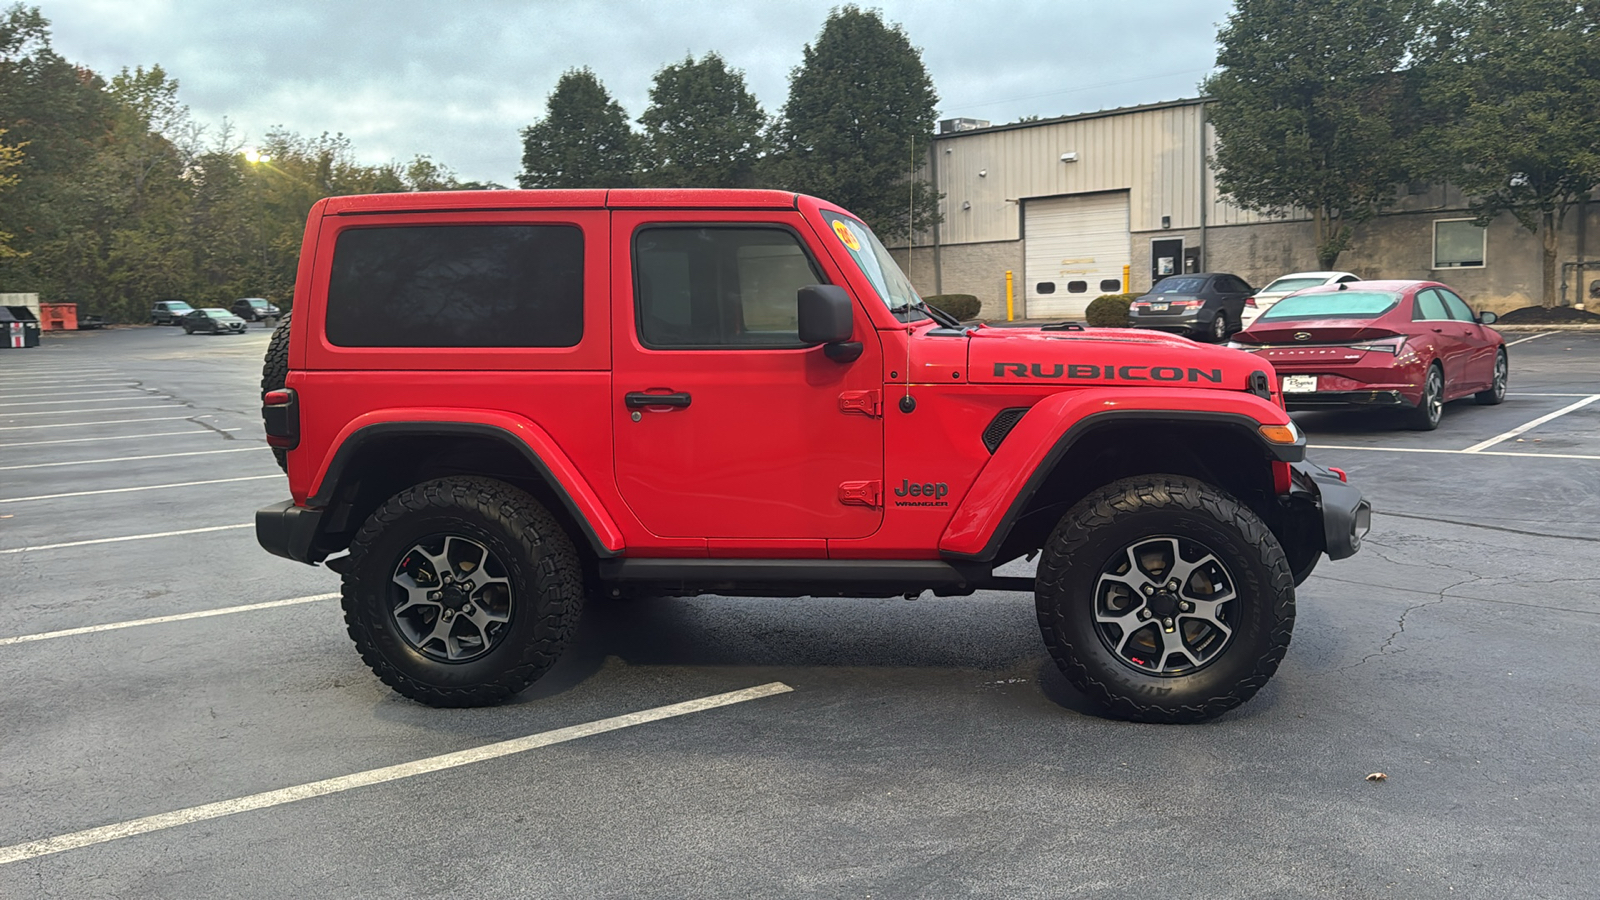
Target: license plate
(1159,307)
(1299,384)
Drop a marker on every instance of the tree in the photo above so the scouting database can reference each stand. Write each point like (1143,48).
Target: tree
(1514,89)
(859,121)
(1309,110)
(582,142)
(10,157)
(703,127)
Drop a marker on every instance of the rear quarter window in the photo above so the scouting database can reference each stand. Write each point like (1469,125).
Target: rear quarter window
(457,286)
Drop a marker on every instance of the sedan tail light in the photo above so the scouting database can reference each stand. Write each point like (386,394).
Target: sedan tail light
(1250,302)
(1388,345)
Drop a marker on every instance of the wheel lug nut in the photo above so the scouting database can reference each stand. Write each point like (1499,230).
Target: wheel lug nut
(1186,606)
(1167,624)
(467,610)
(1144,613)
(1172,585)
(1149,590)
(436,595)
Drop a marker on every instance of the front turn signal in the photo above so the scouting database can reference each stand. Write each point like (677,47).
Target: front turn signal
(1281,434)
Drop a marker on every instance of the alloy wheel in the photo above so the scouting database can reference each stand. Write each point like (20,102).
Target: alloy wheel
(1163,605)
(451,598)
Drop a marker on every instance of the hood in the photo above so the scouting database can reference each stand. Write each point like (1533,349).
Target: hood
(1105,357)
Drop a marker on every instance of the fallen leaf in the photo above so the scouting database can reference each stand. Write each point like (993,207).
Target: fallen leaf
(1377,776)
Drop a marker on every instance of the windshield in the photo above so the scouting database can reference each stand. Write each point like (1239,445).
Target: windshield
(1179,286)
(178,307)
(256,302)
(875,262)
(213,311)
(1333,305)
(1286,285)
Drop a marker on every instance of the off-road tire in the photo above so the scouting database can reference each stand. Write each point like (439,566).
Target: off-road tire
(275,373)
(1430,409)
(545,571)
(1496,394)
(1110,519)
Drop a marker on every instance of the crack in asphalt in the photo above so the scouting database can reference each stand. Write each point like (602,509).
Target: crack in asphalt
(1543,534)
(1521,603)
(1400,626)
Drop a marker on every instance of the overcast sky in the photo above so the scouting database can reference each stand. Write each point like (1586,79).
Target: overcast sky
(458,80)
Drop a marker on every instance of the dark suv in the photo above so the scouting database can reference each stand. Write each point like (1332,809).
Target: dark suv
(255,309)
(169,312)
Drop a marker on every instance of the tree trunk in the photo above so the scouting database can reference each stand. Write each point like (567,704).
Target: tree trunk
(1552,245)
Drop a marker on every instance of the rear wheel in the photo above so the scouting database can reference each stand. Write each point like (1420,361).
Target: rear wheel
(1430,410)
(1164,599)
(462,591)
(1219,327)
(1496,393)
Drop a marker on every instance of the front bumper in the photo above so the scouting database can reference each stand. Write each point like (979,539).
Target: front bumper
(1346,515)
(290,531)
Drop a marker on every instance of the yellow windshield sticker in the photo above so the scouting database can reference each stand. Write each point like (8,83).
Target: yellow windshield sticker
(846,236)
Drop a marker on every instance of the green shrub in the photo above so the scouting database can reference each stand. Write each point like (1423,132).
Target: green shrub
(962,306)
(1109,311)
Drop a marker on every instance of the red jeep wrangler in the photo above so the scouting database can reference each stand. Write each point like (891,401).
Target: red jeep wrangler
(501,403)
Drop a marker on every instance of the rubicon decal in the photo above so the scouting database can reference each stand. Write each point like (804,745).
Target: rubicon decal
(929,493)
(1111,372)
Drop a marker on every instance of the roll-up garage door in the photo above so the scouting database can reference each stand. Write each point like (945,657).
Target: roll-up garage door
(1075,250)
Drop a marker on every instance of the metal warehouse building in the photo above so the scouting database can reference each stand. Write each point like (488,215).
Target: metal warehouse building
(1074,205)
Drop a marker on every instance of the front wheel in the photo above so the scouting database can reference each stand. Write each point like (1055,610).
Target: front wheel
(462,591)
(1164,599)
(1496,393)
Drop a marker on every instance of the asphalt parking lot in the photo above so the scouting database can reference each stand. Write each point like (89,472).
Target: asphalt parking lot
(925,749)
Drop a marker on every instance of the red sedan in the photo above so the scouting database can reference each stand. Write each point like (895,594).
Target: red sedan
(1413,345)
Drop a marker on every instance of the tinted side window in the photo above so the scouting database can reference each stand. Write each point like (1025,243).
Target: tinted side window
(1429,306)
(1457,307)
(720,286)
(457,286)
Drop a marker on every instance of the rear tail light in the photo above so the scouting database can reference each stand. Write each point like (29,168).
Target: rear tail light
(280,414)
(1391,346)
(1250,302)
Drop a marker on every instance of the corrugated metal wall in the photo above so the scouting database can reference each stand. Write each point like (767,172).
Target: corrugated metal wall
(1153,153)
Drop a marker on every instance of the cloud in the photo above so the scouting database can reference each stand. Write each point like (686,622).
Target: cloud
(457,81)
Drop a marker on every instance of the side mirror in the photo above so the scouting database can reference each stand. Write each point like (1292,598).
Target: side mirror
(1487,318)
(827,317)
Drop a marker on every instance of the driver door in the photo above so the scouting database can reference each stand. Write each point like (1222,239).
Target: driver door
(726,426)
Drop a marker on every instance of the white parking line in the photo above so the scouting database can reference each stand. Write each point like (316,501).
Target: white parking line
(126,490)
(1467,452)
(101,400)
(161,620)
(159,404)
(1517,394)
(1475,448)
(130,537)
(121,437)
(115,459)
(91,381)
(264,800)
(86,424)
(1529,338)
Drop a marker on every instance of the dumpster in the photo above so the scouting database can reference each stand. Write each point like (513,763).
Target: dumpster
(18,327)
(58,316)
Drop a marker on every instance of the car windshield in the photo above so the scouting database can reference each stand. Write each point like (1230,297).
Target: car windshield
(1333,305)
(875,262)
(256,302)
(213,311)
(1186,285)
(1286,285)
(179,307)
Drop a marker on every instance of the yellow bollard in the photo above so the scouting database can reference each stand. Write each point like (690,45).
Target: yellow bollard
(1009,311)
(1126,282)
